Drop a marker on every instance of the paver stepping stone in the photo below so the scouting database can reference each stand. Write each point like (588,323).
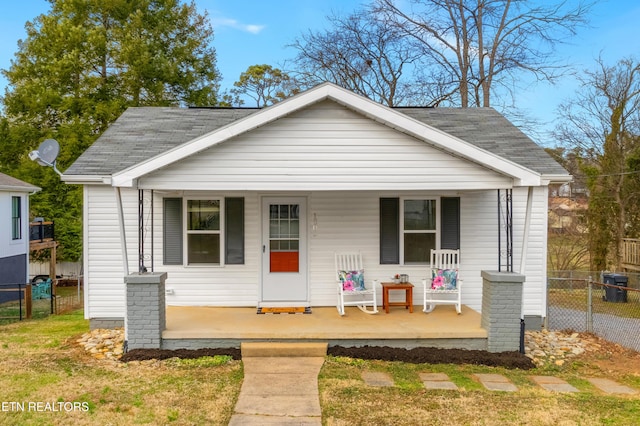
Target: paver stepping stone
(496,382)
(609,386)
(437,381)
(377,378)
(554,384)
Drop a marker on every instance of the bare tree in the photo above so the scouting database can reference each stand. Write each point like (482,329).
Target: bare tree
(477,45)
(361,53)
(603,121)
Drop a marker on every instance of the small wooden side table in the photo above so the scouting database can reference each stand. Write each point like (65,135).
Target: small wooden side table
(408,298)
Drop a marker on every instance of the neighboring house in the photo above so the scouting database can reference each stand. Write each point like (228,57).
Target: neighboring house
(565,215)
(246,207)
(14,232)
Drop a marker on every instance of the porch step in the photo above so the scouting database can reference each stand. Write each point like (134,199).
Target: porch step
(279,349)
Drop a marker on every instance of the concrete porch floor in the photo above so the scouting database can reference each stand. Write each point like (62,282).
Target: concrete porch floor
(207,326)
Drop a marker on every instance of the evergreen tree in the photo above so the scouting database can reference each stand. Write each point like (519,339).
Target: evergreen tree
(81,65)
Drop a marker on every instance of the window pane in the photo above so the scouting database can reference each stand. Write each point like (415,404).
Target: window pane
(417,247)
(419,215)
(203,215)
(274,228)
(16,222)
(295,228)
(295,211)
(284,229)
(203,248)
(284,211)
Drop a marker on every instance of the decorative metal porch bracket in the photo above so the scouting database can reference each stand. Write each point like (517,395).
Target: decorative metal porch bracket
(505,230)
(145,228)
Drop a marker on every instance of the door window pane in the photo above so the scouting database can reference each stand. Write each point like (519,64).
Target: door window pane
(284,234)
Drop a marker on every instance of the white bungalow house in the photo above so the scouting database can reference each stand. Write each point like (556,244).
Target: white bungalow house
(14,232)
(246,207)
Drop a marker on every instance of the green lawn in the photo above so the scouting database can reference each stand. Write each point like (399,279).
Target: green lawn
(40,363)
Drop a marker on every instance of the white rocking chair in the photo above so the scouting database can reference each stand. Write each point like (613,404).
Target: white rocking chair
(444,286)
(351,288)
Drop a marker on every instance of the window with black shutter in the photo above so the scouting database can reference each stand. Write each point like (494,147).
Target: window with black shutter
(411,225)
(203,230)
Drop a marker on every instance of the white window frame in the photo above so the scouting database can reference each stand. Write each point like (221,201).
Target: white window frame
(187,232)
(20,218)
(436,232)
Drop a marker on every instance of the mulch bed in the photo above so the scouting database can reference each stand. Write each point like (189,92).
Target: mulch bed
(383,353)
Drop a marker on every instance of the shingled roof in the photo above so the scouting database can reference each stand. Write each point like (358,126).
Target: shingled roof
(143,133)
(8,183)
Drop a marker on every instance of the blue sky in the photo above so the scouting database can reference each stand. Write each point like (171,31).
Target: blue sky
(251,32)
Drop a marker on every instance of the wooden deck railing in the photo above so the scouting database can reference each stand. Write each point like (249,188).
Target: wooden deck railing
(631,254)
(41,231)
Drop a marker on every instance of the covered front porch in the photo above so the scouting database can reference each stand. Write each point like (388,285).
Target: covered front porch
(203,327)
(151,324)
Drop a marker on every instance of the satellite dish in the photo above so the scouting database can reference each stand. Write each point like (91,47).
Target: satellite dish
(46,154)
(48,150)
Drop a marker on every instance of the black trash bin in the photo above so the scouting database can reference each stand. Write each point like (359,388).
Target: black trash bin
(616,294)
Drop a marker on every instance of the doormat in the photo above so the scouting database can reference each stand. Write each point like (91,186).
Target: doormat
(285,310)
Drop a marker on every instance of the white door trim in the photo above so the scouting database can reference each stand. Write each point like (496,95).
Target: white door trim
(282,289)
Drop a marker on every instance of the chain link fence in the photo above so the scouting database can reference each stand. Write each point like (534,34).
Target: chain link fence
(605,304)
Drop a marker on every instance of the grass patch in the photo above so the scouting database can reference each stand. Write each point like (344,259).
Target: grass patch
(347,400)
(39,362)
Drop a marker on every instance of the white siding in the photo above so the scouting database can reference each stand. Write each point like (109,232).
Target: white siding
(346,221)
(8,246)
(103,261)
(324,147)
(535,268)
(229,285)
(479,245)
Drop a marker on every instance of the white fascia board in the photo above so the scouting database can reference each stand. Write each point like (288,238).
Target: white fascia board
(551,179)
(86,179)
(23,189)
(448,143)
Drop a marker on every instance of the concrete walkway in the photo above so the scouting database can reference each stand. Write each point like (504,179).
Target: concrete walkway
(280,385)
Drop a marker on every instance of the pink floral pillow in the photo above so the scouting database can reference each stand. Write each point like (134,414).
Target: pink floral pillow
(352,280)
(444,279)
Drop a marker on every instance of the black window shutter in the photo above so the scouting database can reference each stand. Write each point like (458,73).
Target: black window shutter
(234,231)
(389,231)
(450,223)
(172,231)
